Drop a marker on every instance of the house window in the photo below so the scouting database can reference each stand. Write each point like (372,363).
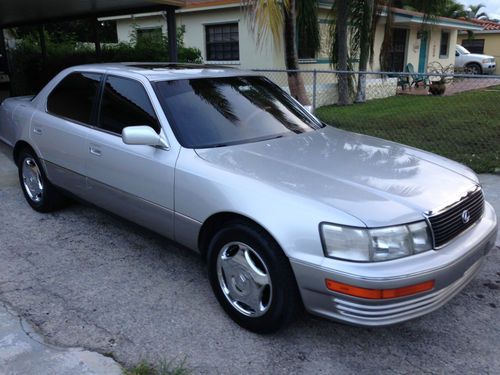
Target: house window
(445,44)
(304,48)
(474,45)
(222,42)
(150,33)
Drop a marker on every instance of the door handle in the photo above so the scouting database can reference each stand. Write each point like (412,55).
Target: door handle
(94,151)
(37,130)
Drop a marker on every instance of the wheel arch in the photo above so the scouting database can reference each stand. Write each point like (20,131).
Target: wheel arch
(18,147)
(217,221)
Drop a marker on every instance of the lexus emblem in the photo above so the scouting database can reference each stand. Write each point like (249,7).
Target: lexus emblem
(465,216)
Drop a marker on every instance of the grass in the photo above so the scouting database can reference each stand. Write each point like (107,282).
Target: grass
(464,127)
(165,368)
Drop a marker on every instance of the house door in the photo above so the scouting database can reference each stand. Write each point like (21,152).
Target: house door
(422,57)
(398,50)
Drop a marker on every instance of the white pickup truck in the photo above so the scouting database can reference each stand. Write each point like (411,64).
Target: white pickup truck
(474,63)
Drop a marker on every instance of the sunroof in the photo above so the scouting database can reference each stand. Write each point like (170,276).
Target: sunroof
(174,66)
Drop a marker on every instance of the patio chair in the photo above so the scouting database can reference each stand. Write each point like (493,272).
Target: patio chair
(415,77)
(403,81)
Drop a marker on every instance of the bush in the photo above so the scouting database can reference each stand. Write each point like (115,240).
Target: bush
(30,73)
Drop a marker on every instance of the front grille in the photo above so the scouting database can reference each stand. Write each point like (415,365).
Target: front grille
(449,224)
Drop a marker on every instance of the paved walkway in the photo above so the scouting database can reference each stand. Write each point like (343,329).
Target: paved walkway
(458,86)
(24,352)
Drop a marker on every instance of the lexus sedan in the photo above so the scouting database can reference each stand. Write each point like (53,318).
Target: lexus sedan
(288,212)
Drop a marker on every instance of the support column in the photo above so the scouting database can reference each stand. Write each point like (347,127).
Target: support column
(4,65)
(97,39)
(43,46)
(172,34)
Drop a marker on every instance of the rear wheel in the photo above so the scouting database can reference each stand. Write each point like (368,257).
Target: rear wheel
(40,194)
(252,278)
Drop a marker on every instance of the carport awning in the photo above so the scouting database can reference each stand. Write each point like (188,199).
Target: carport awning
(22,12)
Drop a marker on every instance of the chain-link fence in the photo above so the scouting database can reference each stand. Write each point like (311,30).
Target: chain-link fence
(455,115)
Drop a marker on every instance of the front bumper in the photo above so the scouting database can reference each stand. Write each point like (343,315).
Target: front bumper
(451,267)
(489,68)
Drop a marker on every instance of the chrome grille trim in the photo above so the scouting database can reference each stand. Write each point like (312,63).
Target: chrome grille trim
(448,224)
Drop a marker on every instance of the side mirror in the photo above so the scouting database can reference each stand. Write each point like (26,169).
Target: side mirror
(142,135)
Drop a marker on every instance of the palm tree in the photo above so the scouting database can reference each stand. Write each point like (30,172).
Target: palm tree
(453,9)
(280,18)
(367,21)
(474,11)
(339,54)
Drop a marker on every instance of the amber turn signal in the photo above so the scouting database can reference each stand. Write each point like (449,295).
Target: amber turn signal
(378,293)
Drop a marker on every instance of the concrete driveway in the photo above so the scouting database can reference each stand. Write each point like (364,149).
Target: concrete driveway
(84,278)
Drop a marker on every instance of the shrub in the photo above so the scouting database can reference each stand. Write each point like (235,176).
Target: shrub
(30,72)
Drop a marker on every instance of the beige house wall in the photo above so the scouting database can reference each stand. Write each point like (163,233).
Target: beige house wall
(491,45)
(412,53)
(126,26)
(266,55)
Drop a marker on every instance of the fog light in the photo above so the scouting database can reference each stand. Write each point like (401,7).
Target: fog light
(357,291)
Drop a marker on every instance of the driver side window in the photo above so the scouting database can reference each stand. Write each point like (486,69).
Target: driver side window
(125,103)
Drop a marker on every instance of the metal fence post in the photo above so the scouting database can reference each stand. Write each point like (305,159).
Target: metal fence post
(314,91)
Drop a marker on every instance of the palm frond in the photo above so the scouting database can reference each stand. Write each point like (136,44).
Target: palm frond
(266,17)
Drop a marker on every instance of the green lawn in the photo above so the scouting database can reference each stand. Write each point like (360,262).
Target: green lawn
(464,127)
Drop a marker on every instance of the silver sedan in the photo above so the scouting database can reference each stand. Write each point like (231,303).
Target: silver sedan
(287,211)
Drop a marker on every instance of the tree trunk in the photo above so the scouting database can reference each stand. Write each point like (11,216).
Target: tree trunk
(364,46)
(342,50)
(295,81)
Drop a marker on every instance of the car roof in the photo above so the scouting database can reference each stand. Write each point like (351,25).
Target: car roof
(157,71)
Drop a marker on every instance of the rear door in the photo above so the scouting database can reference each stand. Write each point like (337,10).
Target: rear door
(133,181)
(59,131)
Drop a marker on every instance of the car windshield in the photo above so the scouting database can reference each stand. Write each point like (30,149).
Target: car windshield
(462,50)
(215,112)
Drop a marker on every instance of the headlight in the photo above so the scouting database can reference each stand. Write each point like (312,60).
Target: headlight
(488,60)
(377,244)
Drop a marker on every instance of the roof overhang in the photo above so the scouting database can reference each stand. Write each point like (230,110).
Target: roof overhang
(406,17)
(25,12)
(481,32)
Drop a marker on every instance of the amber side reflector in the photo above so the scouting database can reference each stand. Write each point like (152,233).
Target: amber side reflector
(378,293)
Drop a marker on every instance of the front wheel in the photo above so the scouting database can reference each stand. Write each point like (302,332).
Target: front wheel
(41,195)
(252,278)
(473,68)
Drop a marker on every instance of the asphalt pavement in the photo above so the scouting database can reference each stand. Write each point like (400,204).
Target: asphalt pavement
(83,278)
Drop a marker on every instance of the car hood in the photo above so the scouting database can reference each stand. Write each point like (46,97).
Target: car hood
(479,56)
(377,181)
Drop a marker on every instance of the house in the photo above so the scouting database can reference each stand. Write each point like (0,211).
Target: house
(485,41)
(223,33)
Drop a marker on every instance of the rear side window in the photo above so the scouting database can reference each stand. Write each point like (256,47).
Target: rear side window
(125,103)
(74,97)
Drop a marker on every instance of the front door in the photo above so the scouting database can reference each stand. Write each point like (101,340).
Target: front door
(398,50)
(422,57)
(133,181)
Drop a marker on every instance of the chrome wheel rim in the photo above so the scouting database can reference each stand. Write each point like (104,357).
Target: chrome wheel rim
(244,279)
(32,179)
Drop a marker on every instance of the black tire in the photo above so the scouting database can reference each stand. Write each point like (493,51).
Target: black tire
(283,300)
(473,68)
(49,199)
